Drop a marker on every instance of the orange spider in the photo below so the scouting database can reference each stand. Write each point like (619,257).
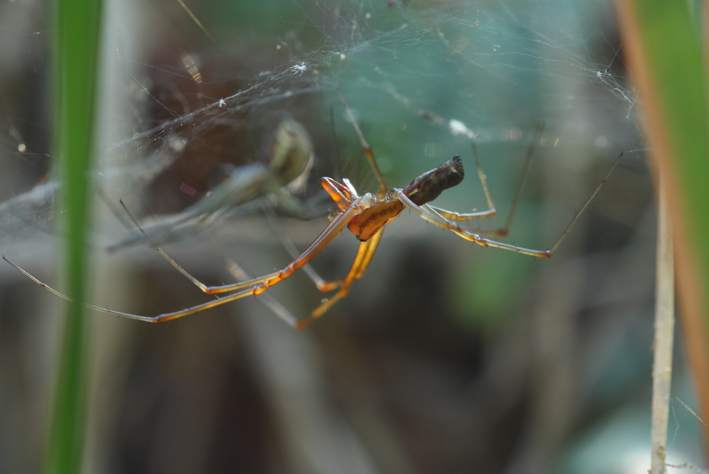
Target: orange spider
(365,217)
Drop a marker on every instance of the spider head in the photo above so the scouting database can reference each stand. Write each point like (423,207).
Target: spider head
(431,184)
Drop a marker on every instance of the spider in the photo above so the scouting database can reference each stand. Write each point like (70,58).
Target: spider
(365,216)
(290,161)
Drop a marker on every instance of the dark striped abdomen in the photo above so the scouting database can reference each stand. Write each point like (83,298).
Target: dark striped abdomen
(431,184)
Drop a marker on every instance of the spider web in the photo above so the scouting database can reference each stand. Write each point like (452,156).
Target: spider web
(192,88)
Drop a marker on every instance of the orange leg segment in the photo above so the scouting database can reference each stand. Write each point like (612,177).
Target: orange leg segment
(365,254)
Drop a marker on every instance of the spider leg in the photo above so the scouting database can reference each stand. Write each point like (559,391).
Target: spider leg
(367,150)
(491,211)
(438,220)
(326,236)
(445,217)
(320,283)
(504,230)
(160,318)
(464,217)
(365,254)
(265,299)
(275,307)
(359,259)
(60,295)
(251,287)
(194,280)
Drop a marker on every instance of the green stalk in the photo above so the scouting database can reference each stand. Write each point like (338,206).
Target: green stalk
(77,26)
(663,45)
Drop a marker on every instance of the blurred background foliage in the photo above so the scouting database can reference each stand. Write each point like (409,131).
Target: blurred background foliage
(445,357)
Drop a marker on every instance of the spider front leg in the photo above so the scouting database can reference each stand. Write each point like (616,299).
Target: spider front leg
(335,226)
(252,287)
(262,285)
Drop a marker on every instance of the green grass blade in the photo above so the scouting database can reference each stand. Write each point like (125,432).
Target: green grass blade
(663,41)
(78,24)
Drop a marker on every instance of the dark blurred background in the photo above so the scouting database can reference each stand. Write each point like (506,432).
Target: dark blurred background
(446,357)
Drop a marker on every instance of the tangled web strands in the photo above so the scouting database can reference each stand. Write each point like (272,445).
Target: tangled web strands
(489,72)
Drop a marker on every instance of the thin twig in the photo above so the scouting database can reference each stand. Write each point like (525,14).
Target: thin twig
(664,335)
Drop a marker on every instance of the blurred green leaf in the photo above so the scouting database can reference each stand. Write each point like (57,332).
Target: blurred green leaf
(77,25)
(665,47)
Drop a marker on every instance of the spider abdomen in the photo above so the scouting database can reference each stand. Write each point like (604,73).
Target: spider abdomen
(428,186)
